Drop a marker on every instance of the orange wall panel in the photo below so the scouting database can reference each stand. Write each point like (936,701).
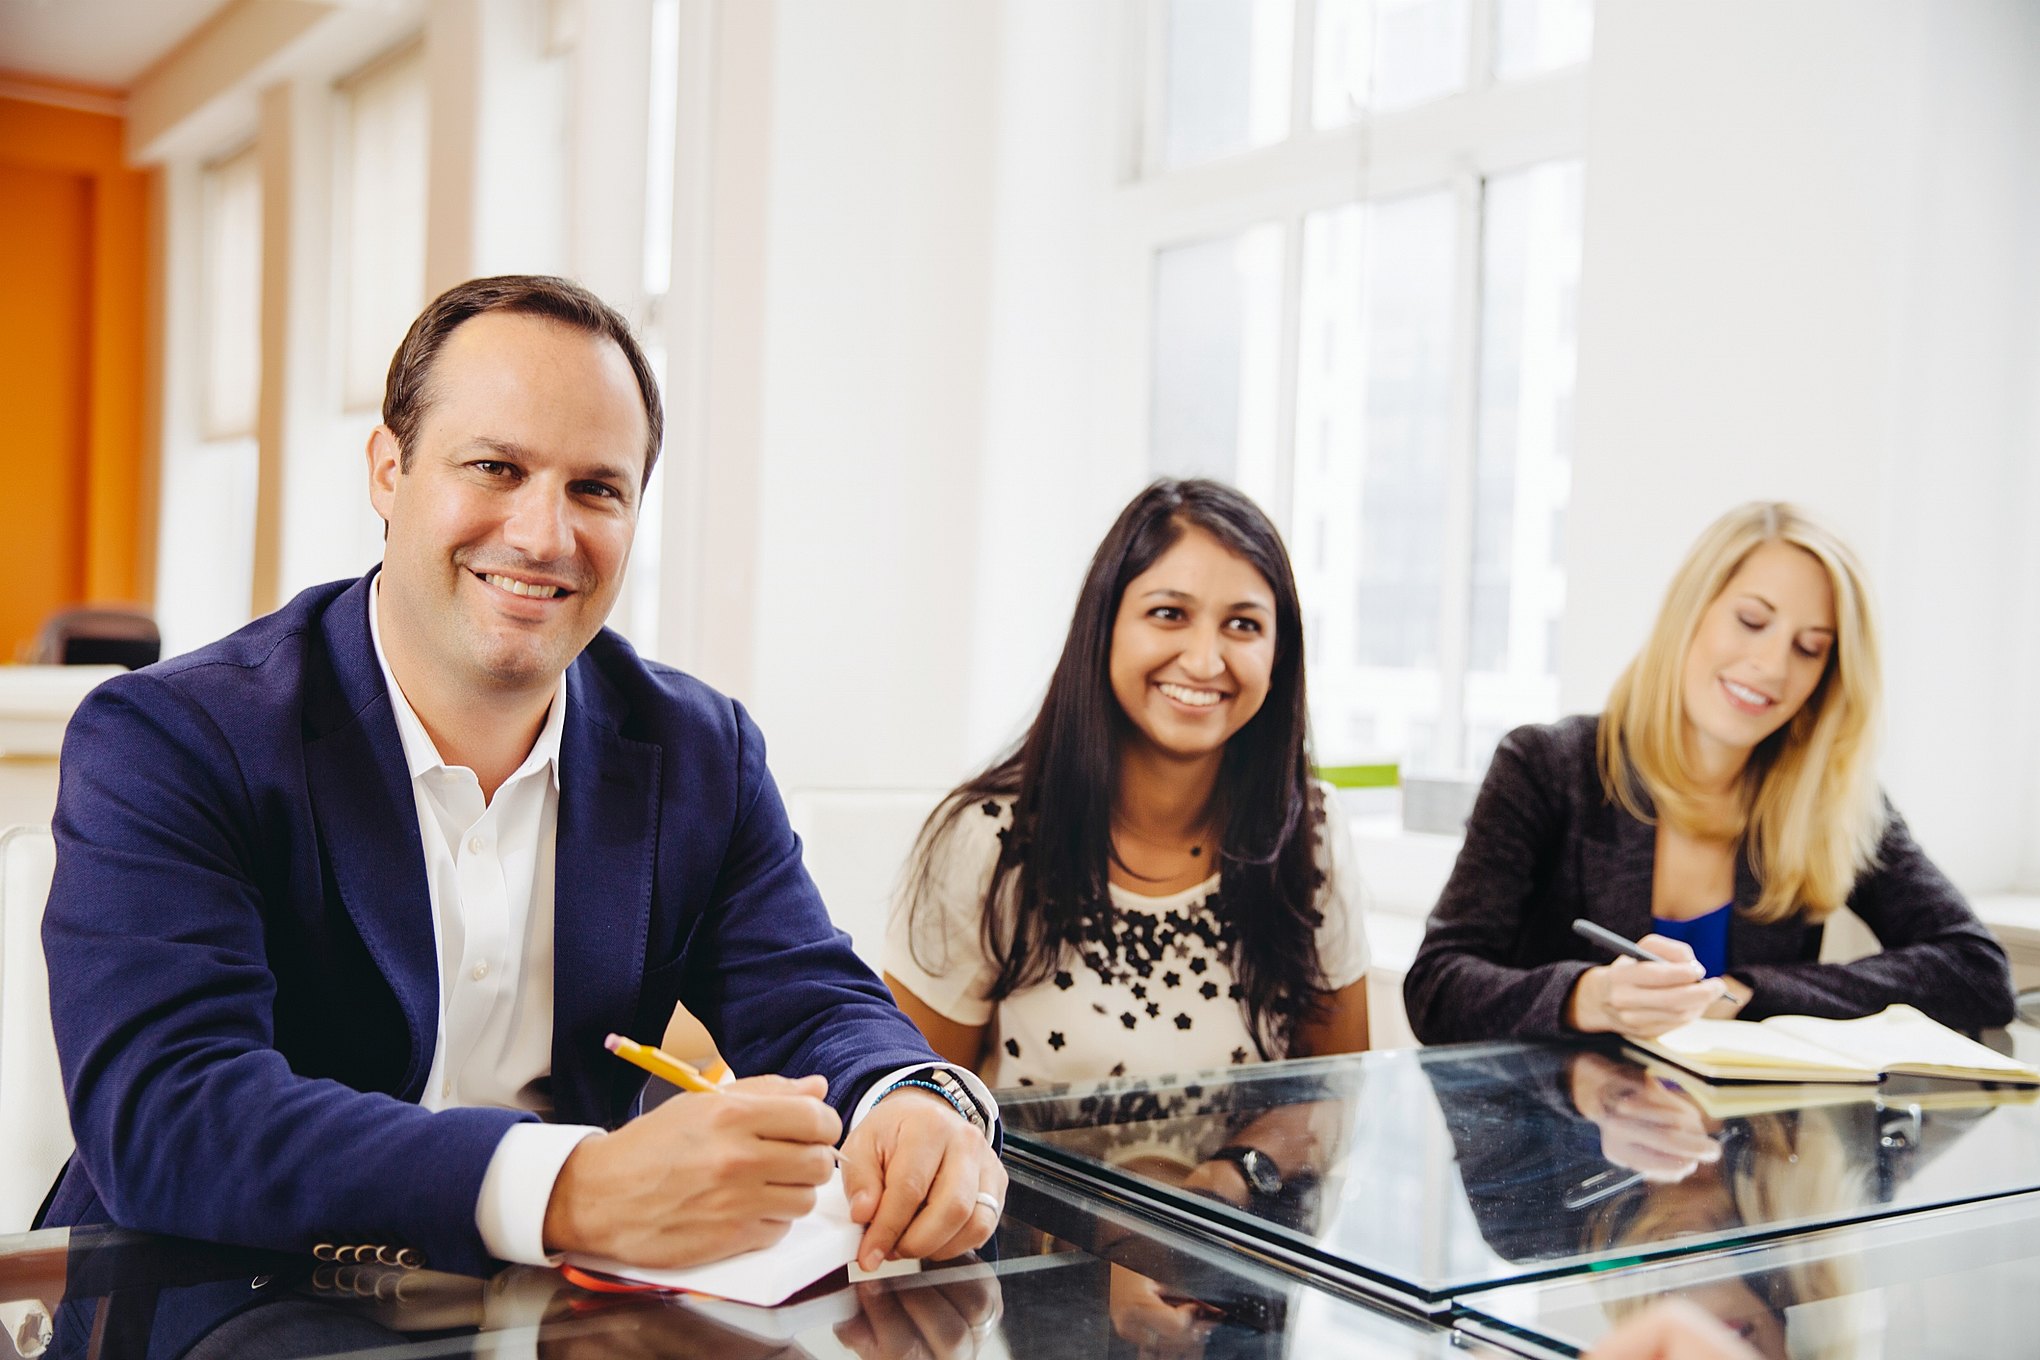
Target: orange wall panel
(73,325)
(45,306)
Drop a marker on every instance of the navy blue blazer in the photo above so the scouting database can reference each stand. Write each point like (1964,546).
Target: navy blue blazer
(243,976)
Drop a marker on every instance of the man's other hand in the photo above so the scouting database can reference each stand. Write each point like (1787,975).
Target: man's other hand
(699,1178)
(914,1169)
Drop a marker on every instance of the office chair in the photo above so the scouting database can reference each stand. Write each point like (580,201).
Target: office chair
(105,635)
(35,1129)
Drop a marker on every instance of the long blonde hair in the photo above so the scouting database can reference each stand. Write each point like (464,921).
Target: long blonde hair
(1810,816)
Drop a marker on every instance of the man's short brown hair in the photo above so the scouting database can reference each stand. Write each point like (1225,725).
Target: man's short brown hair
(407,394)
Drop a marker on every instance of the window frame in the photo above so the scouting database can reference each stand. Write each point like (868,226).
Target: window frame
(1459,142)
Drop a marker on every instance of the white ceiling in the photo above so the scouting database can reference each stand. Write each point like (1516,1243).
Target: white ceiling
(98,42)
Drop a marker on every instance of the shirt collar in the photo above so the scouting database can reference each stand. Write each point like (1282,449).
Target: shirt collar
(421,756)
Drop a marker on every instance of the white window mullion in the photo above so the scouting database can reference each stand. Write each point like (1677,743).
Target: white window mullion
(1480,68)
(1302,66)
(1154,105)
(1456,595)
(1283,481)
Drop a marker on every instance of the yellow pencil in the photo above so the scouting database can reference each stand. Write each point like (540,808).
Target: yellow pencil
(659,1063)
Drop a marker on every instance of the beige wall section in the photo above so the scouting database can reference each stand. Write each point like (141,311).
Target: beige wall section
(714,328)
(497,174)
(296,134)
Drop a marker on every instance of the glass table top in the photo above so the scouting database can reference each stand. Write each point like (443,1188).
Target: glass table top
(1061,1280)
(1418,1175)
(1951,1284)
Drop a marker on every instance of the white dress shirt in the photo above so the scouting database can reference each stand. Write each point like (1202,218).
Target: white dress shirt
(489,872)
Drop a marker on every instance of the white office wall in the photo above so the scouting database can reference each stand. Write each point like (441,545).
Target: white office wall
(1055,470)
(1809,274)
(874,369)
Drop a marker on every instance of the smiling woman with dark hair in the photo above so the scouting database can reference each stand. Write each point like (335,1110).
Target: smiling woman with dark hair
(1151,880)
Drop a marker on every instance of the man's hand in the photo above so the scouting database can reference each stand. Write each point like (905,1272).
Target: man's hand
(946,1321)
(1160,1323)
(1644,999)
(699,1178)
(913,1169)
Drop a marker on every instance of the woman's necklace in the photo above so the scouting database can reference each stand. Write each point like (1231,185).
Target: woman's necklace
(1170,855)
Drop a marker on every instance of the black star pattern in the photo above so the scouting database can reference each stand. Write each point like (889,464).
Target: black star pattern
(1026,1081)
(1208,990)
(1154,1008)
(1118,1070)
(1065,981)
(1182,1020)
(1140,991)
(1126,1019)
(990,807)
(1055,1039)
(1013,1048)
(1239,1055)
(1172,978)
(1199,964)
(1120,946)
(1235,992)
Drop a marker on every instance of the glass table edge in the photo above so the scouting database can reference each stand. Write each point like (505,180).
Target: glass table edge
(1473,1311)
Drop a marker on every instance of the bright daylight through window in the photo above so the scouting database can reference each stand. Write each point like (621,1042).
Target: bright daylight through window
(1363,219)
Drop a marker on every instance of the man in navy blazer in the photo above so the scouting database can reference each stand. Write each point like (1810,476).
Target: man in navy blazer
(248,930)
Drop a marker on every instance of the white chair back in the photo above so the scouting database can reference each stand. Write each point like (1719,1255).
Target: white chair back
(35,1126)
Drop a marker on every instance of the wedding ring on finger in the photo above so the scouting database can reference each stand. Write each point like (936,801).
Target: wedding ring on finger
(990,1201)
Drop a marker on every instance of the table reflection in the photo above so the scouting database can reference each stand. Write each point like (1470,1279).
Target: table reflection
(103,1293)
(1418,1175)
(1063,1279)
(1957,1283)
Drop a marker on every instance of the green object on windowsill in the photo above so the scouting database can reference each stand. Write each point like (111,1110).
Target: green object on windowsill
(1359,776)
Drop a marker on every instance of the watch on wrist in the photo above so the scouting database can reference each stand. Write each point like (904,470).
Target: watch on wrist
(1256,1168)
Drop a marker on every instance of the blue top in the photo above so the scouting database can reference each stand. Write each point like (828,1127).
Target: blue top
(1707,936)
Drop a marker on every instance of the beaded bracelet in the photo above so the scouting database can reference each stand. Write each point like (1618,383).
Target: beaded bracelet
(956,1102)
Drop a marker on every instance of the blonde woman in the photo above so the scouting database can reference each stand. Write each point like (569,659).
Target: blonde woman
(1722,807)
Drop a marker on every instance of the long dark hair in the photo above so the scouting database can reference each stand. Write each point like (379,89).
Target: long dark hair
(1063,776)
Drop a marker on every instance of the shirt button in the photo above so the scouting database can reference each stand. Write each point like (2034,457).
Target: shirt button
(481,970)
(477,845)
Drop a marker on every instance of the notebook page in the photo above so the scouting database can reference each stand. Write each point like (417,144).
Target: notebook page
(812,1247)
(1752,1045)
(1899,1036)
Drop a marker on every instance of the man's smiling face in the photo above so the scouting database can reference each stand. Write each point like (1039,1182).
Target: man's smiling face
(510,528)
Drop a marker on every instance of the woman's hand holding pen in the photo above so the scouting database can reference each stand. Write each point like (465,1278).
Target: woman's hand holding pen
(696,1180)
(1645,1126)
(1644,999)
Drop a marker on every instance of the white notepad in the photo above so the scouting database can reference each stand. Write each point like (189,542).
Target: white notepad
(1898,1039)
(812,1247)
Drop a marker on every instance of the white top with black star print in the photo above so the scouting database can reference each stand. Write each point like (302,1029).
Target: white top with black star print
(1145,991)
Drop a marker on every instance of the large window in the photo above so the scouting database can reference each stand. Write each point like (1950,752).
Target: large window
(1362,222)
